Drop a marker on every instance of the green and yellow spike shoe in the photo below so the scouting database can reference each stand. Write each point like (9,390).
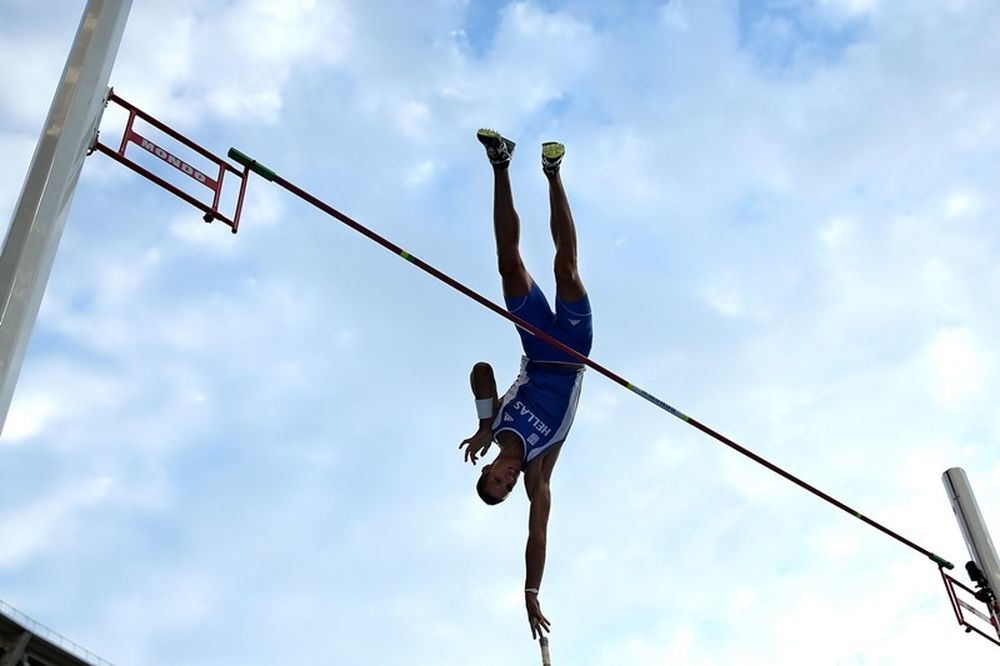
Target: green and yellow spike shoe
(552,154)
(499,149)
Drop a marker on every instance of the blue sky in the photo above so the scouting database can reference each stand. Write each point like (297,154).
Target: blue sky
(242,449)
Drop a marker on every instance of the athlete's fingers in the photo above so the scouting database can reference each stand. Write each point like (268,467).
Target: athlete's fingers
(538,622)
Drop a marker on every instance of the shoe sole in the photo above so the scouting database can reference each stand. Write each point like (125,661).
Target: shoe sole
(489,137)
(552,150)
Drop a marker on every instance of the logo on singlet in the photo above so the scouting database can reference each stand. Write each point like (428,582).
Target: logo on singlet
(535,422)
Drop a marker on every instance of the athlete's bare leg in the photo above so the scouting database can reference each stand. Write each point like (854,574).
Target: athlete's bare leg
(507,229)
(506,223)
(569,287)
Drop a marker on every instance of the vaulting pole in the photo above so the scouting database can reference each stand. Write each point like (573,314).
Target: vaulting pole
(543,643)
(270,175)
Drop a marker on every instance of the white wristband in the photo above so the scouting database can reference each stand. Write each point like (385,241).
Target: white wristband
(485,408)
(531,590)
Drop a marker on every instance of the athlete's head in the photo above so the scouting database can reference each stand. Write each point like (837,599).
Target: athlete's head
(496,481)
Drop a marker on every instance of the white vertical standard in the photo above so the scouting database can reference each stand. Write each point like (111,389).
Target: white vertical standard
(40,214)
(970,521)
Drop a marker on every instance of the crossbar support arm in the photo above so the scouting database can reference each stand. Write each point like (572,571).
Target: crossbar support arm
(131,136)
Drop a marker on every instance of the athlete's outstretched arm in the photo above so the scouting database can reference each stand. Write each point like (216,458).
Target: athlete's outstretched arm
(534,555)
(484,387)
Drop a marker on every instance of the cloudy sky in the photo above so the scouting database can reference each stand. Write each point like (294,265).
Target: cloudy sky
(244,449)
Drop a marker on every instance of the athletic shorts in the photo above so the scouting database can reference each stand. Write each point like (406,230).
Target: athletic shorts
(571,324)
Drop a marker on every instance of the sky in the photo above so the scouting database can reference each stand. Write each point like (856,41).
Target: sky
(244,449)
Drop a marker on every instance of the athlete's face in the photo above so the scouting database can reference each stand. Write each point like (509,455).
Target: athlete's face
(500,479)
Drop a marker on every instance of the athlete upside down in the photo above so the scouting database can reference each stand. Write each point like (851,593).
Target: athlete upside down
(531,421)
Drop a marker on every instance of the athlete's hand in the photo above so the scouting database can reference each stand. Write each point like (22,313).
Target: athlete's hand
(477,444)
(536,620)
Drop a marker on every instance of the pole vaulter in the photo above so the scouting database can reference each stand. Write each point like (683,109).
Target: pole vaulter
(270,175)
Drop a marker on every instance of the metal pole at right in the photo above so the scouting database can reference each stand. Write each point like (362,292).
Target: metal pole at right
(977,537)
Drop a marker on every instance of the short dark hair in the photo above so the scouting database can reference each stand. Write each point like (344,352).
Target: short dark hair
(483,494)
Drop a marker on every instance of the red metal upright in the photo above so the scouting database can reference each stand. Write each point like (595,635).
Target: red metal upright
(213,183)
(959,605)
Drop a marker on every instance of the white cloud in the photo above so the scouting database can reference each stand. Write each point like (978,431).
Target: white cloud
(838,231)
(42,524)
(673,14)
(29,415)
(412,118)
(42,61)
(727,300)
(959,366)
(232,61)
(58,393)
(421,173)
(238,103)
(962,204)
(852,7)
(207,237)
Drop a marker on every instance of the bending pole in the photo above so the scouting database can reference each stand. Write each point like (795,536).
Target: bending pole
(270,175)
